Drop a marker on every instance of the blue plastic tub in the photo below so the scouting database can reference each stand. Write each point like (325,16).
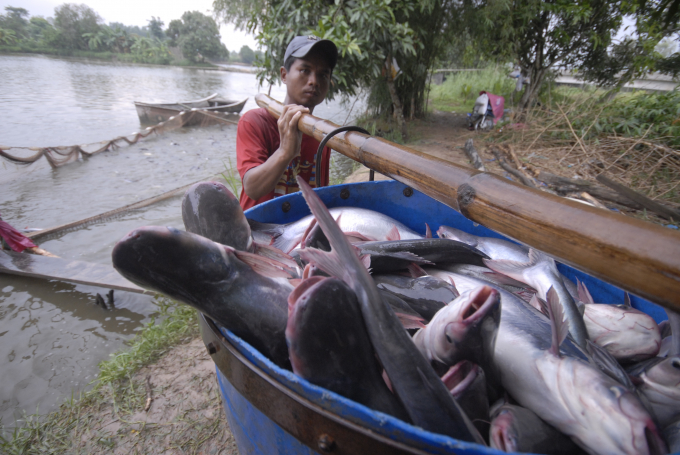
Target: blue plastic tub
(272,411)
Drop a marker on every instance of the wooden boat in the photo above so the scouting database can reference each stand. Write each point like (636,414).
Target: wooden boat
(270,410)
(197,112)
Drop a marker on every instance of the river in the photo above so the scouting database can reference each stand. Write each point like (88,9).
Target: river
(52,335)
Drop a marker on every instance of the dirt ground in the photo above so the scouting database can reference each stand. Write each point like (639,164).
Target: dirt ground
(443,135)
(186,414)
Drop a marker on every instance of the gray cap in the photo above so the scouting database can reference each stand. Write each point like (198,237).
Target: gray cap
(300,46)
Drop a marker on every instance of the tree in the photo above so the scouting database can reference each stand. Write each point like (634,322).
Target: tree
(542,35)
(15,20)
(72,21)
(38,27)
(247,55)
(197,35)
(368,33)
(156,27)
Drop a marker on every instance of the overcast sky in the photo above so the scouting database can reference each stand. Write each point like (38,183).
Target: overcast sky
(138,12)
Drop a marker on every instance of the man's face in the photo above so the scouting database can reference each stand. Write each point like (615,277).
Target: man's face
(307,81)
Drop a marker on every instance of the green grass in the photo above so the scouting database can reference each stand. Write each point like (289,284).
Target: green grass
(174,324)
(460,90)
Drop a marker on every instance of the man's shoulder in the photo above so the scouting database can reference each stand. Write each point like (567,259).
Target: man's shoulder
(259,117)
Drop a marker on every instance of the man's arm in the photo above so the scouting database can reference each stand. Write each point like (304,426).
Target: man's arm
(262,179)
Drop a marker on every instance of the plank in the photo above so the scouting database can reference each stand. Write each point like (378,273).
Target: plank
(640,257)
(80,272)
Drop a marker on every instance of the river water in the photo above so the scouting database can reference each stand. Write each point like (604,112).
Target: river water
(52,335)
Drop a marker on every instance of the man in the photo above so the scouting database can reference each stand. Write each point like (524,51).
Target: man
(270,153)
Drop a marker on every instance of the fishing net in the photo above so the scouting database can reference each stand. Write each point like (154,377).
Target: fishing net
(62,155)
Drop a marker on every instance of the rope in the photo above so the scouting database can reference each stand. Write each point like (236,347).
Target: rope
(62,155)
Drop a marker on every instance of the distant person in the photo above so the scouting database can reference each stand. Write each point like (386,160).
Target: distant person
(270,153)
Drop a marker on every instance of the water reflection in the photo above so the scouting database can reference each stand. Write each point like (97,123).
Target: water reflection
(51,336)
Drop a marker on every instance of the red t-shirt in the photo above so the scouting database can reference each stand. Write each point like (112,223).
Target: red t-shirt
(257,137)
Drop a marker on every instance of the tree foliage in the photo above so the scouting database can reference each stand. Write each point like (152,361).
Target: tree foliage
(15,19)
(542,35)
(368,34)
(72,21)
(156,27)
(197,35)
(247,55)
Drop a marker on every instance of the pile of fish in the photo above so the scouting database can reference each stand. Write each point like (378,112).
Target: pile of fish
(475,338)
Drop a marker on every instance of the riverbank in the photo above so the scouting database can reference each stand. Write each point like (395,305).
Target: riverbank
(128,59)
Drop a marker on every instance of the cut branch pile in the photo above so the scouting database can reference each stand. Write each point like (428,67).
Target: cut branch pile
(548,148)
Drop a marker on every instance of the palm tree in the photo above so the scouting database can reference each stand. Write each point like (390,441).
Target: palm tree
(7,36)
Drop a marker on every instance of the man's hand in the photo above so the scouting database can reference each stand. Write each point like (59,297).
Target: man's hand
(291,136)
(262,179)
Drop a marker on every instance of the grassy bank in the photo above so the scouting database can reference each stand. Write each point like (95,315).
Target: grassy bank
(61,431)
(105,56)
(460,90)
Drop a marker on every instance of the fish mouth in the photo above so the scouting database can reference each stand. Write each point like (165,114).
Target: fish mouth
(500,436)
(301,288)
(460,376)
(482,301)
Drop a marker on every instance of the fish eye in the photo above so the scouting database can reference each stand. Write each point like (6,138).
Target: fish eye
(617,391)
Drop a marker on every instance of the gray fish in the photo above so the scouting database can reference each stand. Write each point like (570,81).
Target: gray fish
(517,429)
(541,273)
(492,247)
(566,390)
(660,385)
(460,330)
(393,255)
(209,209)
(626,333)
(408,317)
(467,383)
(363,224)
(426,399)
(672,435)
(211,278)
(425,295)
(329,346)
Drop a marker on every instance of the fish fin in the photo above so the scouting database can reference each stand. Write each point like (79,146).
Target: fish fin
(285,244)
(307,232)
(295,282)
(270,252)
(409,321)
(496,277)
(539,304)
(626,301)
(560,328)
(415,270)
(453,283)
(513,269)
(329,262)
(268,267)
(354,237)
(365,260)
(583,293)
(428,231)
(608,364)
(393,234)
(407,256)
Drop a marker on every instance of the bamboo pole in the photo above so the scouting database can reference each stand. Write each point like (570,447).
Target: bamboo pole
(637,256)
